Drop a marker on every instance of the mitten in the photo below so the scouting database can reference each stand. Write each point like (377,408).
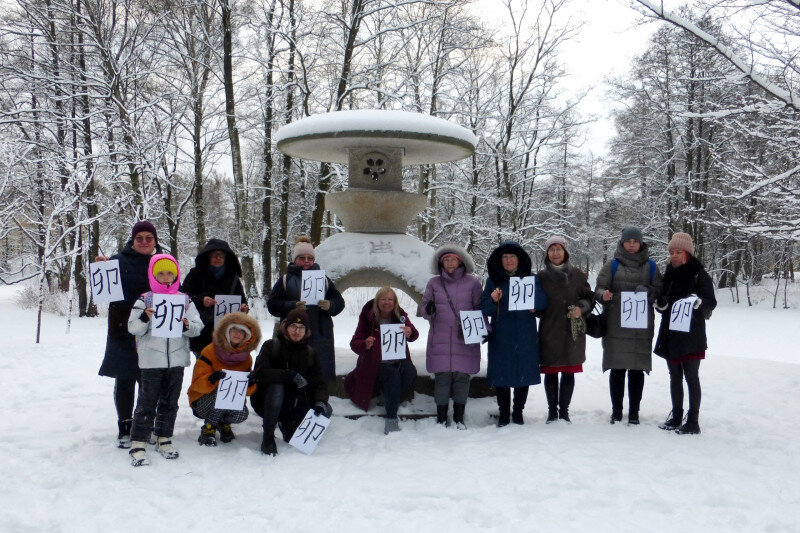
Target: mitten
(216,376)
(430,308)
(321,409)
(324,304)
(641,288)
(697,303)
(252,379)
(300,305)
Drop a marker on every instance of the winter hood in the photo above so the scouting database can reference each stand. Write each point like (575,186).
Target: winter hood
(221,340)
(160,288)
(231,261)
(494,265)
(466,259)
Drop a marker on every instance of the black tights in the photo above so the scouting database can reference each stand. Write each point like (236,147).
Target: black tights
(691,371)
(616,385)
(124,396)
(559,396)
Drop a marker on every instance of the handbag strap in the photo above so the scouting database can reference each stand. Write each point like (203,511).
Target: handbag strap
(447,294)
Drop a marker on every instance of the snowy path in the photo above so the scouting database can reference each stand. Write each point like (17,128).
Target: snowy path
(63,474)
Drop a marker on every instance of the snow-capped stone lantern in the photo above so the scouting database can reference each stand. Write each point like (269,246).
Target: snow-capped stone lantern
(374,249)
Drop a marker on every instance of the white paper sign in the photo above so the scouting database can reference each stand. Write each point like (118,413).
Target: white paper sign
(312,288)
(106,281)
(522,293)
(393,342)
(681,314)
(232,390)
(634,310)
(168,311)
(226,303)
(473,326)
(309,432)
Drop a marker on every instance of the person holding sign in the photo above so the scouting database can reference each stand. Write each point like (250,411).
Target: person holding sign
(562,327)
(120,360)
(627,286)
(287,294)
(161,359)
(451,290)
(514,341)
(289,381)
(684,278)
(235,336)
(394,377)
(216,272)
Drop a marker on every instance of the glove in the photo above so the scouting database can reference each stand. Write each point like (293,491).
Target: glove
(324,304)
(641,288)
(301,305)
(662,303)
(430,308)
(298,380)
(216,376)
(321,409)
(252,379)
(697,303)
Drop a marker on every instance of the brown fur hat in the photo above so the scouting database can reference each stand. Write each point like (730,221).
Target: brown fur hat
(221,338)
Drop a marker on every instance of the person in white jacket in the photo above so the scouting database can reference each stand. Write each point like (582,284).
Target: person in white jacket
(161,361)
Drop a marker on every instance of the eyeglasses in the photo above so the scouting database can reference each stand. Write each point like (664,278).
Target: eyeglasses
(296,327)
(304,258)
(145,238)
(217,255)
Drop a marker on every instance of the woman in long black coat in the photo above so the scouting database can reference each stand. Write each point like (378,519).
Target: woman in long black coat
(120,360)
(216,272)
(684,276)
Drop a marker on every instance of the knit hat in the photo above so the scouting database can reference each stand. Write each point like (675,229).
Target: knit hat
(631,232)
(240,327)
(297,316)
(555,239)
(303,246)
(144,225)
(681,241)
(451,254)
(165,265)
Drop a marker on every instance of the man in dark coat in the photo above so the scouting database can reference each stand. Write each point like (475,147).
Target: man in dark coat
(216,272)
(120,360)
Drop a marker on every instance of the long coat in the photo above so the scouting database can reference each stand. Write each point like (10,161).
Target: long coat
(680,282)
(563,287)
(628,348)
(201,282)
(360,383)
(447,352)
(284,297)
(120,359)
(514,341)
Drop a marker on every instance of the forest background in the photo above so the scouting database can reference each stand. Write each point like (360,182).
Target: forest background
(112,111)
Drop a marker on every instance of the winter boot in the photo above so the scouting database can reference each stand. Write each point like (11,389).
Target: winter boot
(565,396)
(226,433)
(138,454)
(208,435)
(691,427)
(635,388)
(552,415)
(391,425)
(458,415)
(268,445)
(633,418)
(519,405)
(563,414)
(551,392)
(165,448)
(616,416)
(441,415)
(124,435)
(673,421)
(504,404)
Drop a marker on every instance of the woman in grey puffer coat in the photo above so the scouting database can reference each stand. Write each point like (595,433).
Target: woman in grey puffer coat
(627,349)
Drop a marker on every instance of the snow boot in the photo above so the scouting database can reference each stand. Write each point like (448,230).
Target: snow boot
(138,454)
(391,425)
(504,404)
(551,392)
(516,417)
(673,421)
(519,405)
(441,415)
(563,414)
(124,435)
(691,427)
(565,396)
(552,415)
(268,445)
(458,415)
(165,448)
(226,433)
(616,416)
(633,418)
(208,435)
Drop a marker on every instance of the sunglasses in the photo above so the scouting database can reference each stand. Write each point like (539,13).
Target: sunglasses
(143,238)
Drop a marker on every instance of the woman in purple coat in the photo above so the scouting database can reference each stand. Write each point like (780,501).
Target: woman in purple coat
(451,290)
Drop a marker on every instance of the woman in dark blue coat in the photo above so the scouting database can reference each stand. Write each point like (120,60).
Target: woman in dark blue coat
(120,360)
(514,341)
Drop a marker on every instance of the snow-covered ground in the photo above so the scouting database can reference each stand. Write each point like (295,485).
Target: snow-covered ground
(63,473)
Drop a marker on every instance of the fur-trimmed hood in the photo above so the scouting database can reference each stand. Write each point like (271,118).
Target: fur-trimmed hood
(466,259)
(221,340)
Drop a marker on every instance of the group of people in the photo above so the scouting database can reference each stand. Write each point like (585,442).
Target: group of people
(294,368)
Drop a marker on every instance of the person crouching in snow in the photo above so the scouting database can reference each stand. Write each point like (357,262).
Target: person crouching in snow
(161,361)
(235,336)
(289,381)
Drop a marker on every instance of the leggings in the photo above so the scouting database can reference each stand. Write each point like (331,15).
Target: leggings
(691,371)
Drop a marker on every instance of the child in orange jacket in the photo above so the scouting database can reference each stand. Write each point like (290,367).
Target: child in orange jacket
(235,336)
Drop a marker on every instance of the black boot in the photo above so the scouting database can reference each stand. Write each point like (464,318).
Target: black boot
(673,421)
(441,415)
(520,397)
(268,446)
(124,435)
(504,405)
(458,415)
(565,396)
(616,386)
(551,392)
(635,387)
(691,427)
